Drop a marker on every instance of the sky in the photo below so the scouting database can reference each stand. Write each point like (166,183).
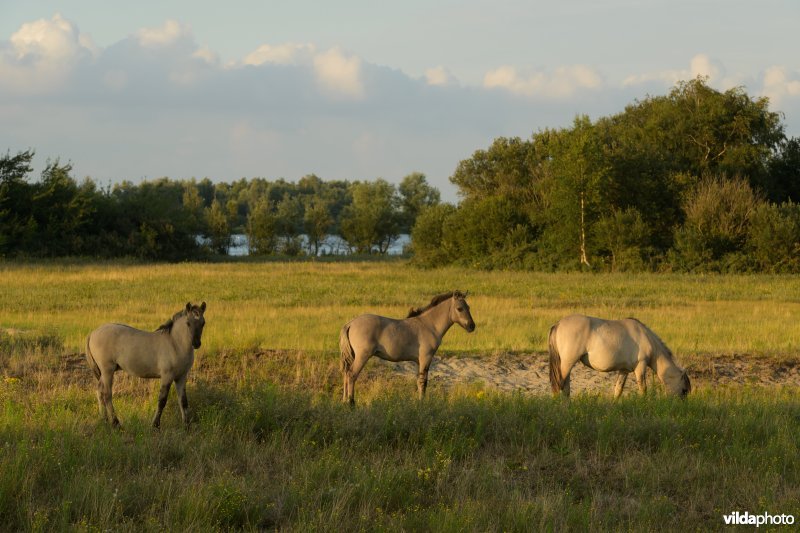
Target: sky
(354,89)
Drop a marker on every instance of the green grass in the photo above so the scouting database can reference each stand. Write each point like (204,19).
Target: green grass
(259,457)
(271,447)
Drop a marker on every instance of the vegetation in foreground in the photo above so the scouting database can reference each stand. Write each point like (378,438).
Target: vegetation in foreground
(271,446)
(262,457)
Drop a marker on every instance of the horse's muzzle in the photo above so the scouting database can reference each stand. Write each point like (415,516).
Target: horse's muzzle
(196,344)
(470,327)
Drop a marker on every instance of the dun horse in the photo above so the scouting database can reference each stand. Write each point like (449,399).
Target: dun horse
(621,346)
(414,338)
(166,353)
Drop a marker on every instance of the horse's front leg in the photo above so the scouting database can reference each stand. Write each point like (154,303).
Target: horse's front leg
(162,400)
(621,378)
(180,389)
(641,376)
(422,376)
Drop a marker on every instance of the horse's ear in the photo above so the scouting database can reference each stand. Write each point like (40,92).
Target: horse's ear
(188,306)
(203,307)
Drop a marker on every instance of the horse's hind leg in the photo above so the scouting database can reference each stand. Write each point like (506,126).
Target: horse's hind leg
(180,388)
(162,400)
(352,375)
(622,376)
(105,397)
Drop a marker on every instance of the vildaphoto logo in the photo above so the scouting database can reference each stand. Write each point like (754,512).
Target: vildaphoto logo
(765,519)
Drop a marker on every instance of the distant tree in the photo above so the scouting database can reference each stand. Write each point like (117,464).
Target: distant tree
(428,238)
(289,224)
(261,228)
(415,196)
(16,197)
(217,221)
(372,221)
(773,238)
(718,214)
(317,221)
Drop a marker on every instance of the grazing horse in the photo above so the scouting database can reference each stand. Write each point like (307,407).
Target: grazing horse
(621,346)
(414,338)
(166,353)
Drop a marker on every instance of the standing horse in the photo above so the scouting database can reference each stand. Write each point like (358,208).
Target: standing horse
(621,346)
(414,338)
(166,353)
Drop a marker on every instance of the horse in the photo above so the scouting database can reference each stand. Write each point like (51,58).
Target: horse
(414,338)
(166,353)
(621,346)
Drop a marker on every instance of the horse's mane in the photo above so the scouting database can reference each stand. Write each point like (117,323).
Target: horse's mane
(656,340)
(166,327)
(436,300)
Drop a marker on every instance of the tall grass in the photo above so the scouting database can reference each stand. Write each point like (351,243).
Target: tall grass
(260,457)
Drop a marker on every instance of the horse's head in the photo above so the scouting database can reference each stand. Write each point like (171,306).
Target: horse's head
(677,383)
(195,321)
(459,311)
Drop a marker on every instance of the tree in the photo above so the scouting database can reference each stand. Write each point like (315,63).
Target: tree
(261,228)
(317,221)
(372,220)
(428,237)
(15,200)
(289,223)
(415,196)
(718,214)
(574,192)
(218,228)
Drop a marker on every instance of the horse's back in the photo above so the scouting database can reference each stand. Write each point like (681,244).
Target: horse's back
(389,338)
(605,345)
(119,346)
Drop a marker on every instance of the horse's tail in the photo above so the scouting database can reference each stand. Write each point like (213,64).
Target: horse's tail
(348,354)
(90,359)
(556,379)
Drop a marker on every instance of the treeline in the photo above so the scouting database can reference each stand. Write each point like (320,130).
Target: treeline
(697,180)
(172,220)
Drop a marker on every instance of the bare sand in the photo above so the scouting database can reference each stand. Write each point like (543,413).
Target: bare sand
(529,372)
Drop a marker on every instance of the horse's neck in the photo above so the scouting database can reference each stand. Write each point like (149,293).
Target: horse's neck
(662,363)
(181,336)
(438,319)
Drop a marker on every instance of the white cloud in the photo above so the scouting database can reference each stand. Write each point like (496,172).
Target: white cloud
(339,74)
(780,85)
(563,82)
(165,35)
(282,54)
(699,65)
(42,53)
(439,76)
(206,54)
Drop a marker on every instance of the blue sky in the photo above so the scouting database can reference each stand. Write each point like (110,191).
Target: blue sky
(356,89)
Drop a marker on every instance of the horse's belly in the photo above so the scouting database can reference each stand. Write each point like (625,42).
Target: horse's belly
(604,362)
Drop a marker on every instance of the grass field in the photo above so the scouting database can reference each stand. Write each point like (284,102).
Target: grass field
(271,447)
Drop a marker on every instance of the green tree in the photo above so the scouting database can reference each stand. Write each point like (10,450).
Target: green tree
(261,228)
(219,233)
(773,238)
(16,197)
(372,220)
(289,224)
(317,221)
(415,196)
(428,238)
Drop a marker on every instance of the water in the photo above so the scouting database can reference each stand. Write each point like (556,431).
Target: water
(332,245)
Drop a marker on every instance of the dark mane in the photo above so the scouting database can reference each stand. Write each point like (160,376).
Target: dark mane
(166,327)
(436,300)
